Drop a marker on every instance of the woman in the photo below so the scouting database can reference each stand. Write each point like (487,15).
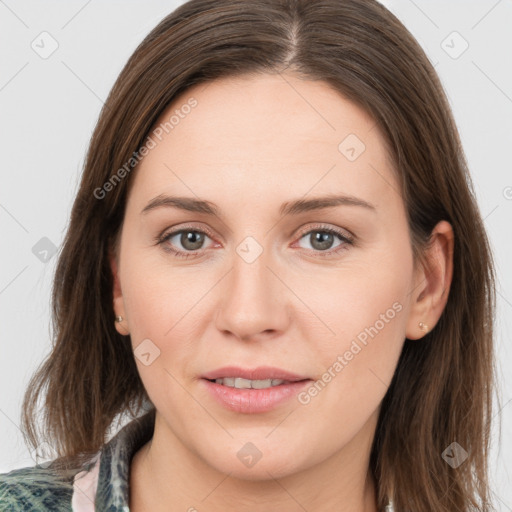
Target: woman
(276,266)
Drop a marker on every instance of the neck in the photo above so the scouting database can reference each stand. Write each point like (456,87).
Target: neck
(166,475)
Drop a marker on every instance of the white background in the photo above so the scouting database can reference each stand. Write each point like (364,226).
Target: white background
(49,108)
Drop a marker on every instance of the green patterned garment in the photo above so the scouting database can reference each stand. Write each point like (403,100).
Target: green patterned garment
(100,485)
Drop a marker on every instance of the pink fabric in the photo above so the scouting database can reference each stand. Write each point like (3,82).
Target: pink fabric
(84,488)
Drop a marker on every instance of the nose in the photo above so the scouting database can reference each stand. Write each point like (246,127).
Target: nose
(254,301)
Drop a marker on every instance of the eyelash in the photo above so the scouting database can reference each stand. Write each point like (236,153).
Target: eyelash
(346,239)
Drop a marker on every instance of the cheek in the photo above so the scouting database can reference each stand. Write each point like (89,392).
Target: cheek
(359,364)
(362,300)
(156,296)
(367,308)
(159,303)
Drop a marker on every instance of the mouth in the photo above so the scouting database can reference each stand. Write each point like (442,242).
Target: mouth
(253,391)
(258,378)
(240,383)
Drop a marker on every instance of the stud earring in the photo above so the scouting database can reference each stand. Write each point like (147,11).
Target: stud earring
(423,327)
(119,319)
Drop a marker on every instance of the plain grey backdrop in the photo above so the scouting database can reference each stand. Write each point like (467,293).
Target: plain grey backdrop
(59,61)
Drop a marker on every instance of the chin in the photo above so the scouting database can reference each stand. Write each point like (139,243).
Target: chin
(256,461)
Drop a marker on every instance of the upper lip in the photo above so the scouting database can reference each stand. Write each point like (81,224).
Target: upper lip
(259,373)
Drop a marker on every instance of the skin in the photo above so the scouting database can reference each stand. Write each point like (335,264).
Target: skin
(251,144)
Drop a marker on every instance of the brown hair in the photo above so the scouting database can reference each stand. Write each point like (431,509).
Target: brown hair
(442,388)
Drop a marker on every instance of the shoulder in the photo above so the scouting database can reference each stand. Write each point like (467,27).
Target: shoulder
(101,479)
(35,488)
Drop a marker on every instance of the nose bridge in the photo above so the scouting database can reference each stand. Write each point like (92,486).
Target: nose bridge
(252,302)
(251,278)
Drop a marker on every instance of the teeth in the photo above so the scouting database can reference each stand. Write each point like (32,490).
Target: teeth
(239,383)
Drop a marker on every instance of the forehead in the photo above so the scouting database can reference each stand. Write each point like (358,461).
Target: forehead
(259,132)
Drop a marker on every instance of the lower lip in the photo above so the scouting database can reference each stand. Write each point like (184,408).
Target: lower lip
(250,401)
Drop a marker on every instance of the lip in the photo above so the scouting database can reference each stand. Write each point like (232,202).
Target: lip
(259,373)
(252,401)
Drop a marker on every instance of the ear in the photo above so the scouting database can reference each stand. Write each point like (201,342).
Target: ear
(432,282)
(118,302)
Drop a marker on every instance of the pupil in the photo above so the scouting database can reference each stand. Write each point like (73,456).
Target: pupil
(187,240)
(321,240)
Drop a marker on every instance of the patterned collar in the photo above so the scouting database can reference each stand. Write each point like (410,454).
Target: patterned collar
(104,484)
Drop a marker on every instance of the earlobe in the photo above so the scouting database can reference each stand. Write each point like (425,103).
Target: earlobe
(433,283)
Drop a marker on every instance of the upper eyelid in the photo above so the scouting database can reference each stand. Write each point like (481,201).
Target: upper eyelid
(325,227)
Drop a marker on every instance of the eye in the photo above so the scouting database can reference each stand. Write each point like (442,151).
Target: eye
(322,238)
(191,240)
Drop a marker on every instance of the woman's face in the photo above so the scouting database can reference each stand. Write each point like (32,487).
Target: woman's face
(274,279)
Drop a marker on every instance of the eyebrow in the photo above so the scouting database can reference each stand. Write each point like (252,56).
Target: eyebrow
(288,208)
